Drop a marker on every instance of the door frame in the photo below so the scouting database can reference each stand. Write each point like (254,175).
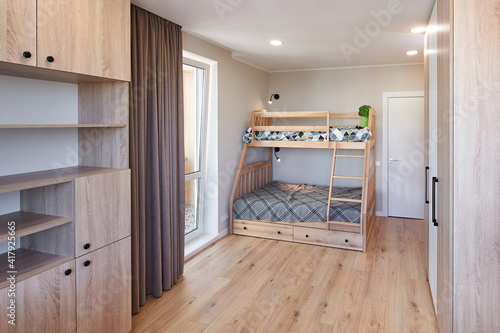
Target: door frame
(385,142)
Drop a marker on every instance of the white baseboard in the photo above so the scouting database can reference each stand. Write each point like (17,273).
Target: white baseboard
(380,214)
(198,244)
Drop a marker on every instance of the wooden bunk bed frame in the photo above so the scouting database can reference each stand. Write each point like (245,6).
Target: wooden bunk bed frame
(344,235)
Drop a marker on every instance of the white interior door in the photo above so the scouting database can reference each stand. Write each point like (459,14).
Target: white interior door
(406,176)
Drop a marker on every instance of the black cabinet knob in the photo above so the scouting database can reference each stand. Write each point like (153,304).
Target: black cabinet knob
(347,241)
(50,59)
(27,54)
(86,246)
(307,236)
(245,228)
(279,232)
(67,272)
(86,263)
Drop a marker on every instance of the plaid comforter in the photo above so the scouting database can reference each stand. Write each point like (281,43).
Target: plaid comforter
(297,203)
(339,134)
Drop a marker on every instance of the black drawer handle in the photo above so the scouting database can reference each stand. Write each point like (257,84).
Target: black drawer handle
(27,54)
(86,263)
(307,236)
(347,241)
(245,228)
(67,272)
(86,246)
(50,59)
(434,219)
(279,232)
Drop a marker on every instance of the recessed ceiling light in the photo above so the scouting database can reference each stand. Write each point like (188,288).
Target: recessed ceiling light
(410,53)
(276,42)
(418,30)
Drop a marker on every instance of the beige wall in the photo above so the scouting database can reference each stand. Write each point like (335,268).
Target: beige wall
(241,88)
(337,90)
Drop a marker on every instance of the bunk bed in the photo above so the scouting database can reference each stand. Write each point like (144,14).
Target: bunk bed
(331,216)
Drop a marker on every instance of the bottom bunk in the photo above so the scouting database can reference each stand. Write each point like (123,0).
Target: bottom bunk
(297,213)
(283,202)
(264,208)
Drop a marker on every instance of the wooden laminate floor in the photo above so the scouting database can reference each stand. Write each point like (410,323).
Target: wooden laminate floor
(246,284)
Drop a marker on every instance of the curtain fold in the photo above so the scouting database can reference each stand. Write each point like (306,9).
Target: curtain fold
(156,155)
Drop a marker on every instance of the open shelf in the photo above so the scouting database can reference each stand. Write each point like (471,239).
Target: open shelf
(29,223)
(29,180)
(27,263)
(21,126)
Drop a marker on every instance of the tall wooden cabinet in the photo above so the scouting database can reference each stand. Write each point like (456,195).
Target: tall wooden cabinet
(72,264)
(468,282)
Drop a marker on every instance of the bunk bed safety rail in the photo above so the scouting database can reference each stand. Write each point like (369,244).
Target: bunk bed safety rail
(249,178)
(262,121)
(254,176)
(264,117)
(258,120)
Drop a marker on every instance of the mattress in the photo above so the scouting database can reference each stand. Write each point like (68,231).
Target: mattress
(338,134)
(277,201)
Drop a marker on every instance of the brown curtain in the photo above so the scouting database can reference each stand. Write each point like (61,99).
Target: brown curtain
(156,155)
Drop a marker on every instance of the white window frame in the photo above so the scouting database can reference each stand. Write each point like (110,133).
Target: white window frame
(203,142)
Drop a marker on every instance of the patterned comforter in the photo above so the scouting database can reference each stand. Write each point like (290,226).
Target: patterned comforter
(297,203)
(339,134)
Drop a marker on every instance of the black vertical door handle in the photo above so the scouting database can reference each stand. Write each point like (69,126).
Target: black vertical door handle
(426,184)
(434,220)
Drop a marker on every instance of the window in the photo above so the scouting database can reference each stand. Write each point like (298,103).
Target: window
(196,79)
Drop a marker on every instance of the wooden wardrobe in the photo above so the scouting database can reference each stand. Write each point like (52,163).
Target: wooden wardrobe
(468,182)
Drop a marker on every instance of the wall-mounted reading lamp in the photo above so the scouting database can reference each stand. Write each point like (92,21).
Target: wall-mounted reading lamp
(276,150)
(276,96)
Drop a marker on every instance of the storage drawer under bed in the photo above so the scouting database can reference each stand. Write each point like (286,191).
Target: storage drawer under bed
(263,229)
(346,240)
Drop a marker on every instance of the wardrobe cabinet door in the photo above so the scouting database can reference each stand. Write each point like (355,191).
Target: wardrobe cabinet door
(43,303)
(85,36)
(103,283)
(18,31)
(102,210)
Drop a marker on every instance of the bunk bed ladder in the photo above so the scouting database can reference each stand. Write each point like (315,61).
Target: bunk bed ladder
(333,177)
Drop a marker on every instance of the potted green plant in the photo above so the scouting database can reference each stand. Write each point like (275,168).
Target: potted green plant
(364,111)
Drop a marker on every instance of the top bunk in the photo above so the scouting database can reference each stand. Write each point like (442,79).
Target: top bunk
(263,131)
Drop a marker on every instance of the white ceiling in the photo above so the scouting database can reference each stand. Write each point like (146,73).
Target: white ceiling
(314,32)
